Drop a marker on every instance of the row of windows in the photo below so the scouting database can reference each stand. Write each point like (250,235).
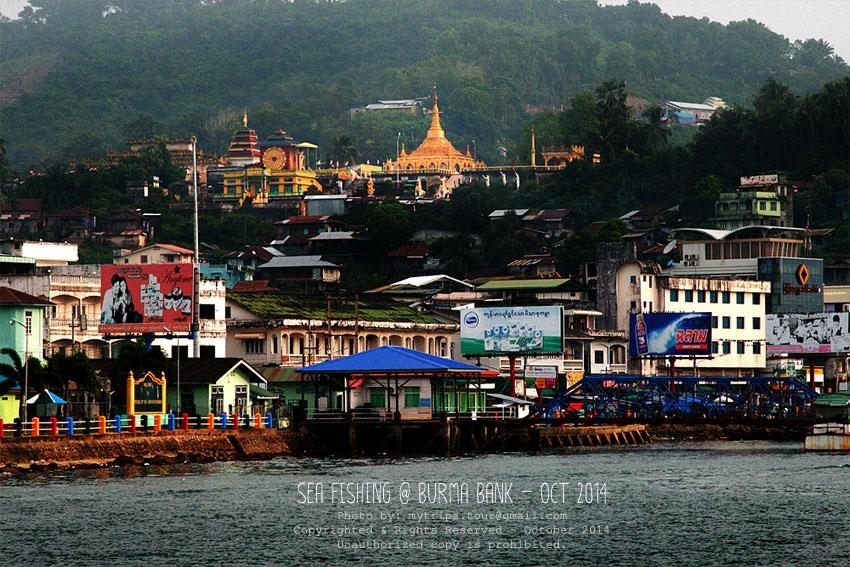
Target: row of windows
(740,347)
(739,322)
(713,296)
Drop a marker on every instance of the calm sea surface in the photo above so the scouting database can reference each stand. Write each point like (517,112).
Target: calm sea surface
(722,503)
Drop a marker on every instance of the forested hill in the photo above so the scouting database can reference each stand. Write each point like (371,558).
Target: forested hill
(78,77)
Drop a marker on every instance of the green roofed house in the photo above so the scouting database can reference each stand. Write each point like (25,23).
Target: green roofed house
(269,327)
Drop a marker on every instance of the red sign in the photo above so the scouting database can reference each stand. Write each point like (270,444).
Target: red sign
(145,298)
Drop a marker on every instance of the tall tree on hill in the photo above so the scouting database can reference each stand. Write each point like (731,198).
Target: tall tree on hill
(613,120)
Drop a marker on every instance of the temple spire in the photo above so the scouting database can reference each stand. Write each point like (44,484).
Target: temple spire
(436,129)
(244,117)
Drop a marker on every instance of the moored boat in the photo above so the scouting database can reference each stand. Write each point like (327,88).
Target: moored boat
(831,431)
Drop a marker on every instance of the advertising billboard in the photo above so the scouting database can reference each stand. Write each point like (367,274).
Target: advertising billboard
(670,334)
(493,331)
(816,333)
(145,298)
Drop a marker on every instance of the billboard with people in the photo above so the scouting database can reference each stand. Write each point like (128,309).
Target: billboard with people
(670,334)
(145,298)
(507,330)
(823,333)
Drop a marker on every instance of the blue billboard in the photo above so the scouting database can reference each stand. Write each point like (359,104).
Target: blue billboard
(670,334)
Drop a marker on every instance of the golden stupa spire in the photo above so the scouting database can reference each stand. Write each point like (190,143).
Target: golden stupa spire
(244,117)
(436,129)
(533,147)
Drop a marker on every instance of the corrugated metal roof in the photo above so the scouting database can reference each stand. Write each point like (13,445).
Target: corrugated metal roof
(523,284)
(391,359)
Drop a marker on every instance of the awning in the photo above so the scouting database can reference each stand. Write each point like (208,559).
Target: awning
(249,335)
(511,399)
(262,394)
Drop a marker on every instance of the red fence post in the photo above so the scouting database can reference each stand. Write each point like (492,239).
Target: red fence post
(184,425)
(54,427)
(132,422)
(2,428)
(35,425)
(235,422)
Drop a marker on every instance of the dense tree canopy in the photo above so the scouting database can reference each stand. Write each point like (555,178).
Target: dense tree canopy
(80,77)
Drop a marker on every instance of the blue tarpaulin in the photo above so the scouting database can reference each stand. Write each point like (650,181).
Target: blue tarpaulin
(392,359)
(46,397)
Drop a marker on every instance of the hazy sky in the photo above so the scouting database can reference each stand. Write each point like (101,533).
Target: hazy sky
(795,19)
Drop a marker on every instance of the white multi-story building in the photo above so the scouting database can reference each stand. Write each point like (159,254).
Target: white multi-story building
(737,309)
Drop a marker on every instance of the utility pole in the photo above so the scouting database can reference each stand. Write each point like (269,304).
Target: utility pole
(196,300)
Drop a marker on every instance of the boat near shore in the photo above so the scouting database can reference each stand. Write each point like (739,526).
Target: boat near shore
(831,432)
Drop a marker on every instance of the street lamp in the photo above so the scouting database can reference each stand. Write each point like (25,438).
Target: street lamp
(27,332)
(177,337)
(397,164)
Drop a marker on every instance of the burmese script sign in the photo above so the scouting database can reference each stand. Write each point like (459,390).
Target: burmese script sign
(511,330)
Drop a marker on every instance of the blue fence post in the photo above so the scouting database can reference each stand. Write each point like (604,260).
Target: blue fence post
(117,424)
(171,421)
(269,420)
(70,424)
(223,417)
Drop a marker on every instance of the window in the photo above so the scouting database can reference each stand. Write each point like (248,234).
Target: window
(740,347)
(216,399)
(206,311)
(411,396)
(255,346)
(650,307)
(689,295)
(713,347)
(739,322)
(274,344)
(241,399)
(618,354)
(756,347)
(650,281)
(701,296)
(712,296)
(773,205)
(599,357)
(633,280)
(714,322)
(756,299)
(727,323)
(28,323)
(144,258)
(633,307)
(674,295)
(182,351)
(756,322)
(377,398)
(726,297)
(207,351)
(227,312)
(727,347)
(762,205)
(739,298)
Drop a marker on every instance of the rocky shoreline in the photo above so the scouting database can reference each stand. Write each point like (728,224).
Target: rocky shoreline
(163,448)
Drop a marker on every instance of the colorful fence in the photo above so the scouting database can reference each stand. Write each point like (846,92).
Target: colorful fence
(132,424)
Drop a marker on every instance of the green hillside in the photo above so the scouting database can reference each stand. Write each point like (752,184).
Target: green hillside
(78,77)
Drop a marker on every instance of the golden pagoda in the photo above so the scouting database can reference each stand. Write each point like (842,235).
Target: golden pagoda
(435,154)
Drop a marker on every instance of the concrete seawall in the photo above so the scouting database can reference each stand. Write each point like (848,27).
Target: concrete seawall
(161,448)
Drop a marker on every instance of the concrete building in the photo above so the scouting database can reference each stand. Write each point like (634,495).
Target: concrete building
(158,254)
(737,307)
(270,327)
(732,253)
(45,254)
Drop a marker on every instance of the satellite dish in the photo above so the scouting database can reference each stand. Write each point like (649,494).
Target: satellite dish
(670,247)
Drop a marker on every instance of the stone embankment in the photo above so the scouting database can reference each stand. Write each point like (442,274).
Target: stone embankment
(779,431)
(28,453)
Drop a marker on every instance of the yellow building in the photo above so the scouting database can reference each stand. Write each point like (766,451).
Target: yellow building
(276,168)
(435,154)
